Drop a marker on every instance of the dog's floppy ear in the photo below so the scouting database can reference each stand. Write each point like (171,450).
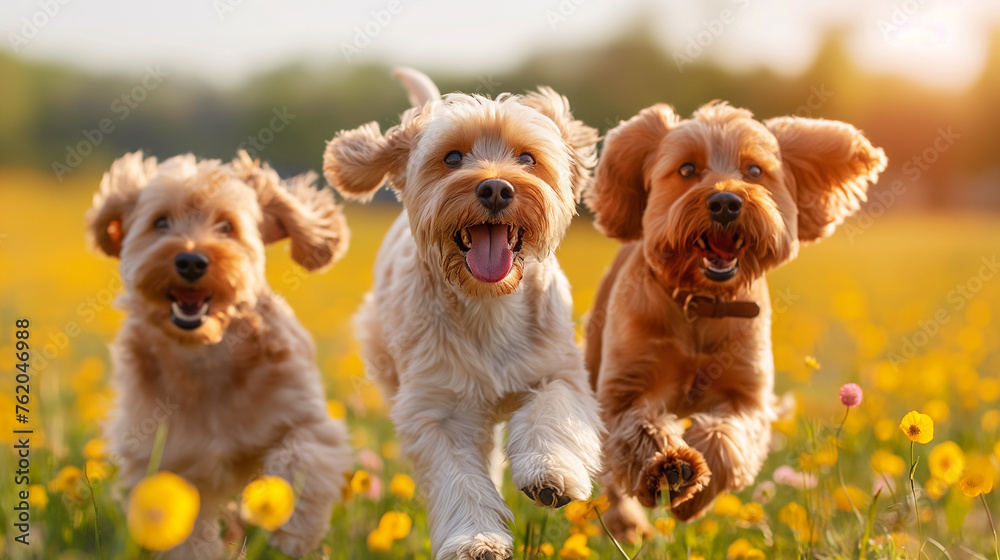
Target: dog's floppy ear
(119,191)
(580,138)
(357,162)
(618,196)
(296,209)
(831,164)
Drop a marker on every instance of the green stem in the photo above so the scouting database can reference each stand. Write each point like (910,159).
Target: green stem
(840,474)
(613,539)
(916,509)
(97,517)
(159,442)
(993,527)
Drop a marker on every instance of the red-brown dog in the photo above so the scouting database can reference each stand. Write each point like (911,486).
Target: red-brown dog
(678,343)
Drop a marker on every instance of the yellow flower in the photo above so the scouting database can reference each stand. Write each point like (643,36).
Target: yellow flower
(751,513)
(755,554)
(708,527)
(162,510)
(797,519)
(935,488)
(938,410)
(596,505)
(575,548)
(946,462)
(402,486)
(95,449)
(918,427)
(857,496)
(738,549)
(37,496)
(96,469)
(336,409)
(727,504)
(665,525)
(826,455)
(696,556)
(546,549)
(887,463)
(978,479)
(396,524)
(67,480)
(812,363)
(361,482)
(379,540)
(268,502)
(574,512)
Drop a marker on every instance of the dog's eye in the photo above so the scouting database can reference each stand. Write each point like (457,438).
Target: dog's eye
(453,159)
(754,172)
(225,227)
(526,159)
(686,170)
(161,223)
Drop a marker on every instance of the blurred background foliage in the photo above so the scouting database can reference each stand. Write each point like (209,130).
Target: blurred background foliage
(47,107)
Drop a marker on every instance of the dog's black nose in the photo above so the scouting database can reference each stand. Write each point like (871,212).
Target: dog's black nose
(495,194)
(191,266)
(724,207)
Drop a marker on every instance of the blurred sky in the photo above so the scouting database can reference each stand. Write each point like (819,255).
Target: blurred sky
(939,42)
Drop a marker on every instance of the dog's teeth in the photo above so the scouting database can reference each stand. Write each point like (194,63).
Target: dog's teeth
(739,243)
(700,242)
(466,238)
(179,313)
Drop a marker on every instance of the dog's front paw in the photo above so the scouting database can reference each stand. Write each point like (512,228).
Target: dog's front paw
(483,546)
(547,497)
(683,471)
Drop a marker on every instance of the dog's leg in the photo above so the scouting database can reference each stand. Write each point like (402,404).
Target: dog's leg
(319,456)
(734,444)
(646,452)
(554,445)
(449,446)
(625,517)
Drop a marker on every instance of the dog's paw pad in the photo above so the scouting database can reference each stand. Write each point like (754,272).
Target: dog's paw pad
(547,497)
(682,472)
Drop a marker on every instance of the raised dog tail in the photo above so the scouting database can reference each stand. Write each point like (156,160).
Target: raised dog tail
(420,89)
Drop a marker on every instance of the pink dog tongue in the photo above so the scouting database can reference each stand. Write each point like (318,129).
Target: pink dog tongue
(489,258)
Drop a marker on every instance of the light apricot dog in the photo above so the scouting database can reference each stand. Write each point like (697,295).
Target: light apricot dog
(208,348)
(469,324)
(680,329)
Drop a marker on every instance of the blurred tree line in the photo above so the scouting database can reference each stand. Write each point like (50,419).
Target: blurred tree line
(941,144)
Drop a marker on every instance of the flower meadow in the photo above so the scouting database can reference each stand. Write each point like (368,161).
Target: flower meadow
(886,348)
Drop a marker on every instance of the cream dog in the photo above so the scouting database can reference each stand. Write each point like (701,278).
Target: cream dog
(468,325)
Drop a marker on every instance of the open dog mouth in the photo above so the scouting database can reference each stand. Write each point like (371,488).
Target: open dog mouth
(720,254)
(489,249)
(188,307)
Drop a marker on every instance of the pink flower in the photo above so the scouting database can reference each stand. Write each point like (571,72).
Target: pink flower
(369,460)
(790,477)
(850,395)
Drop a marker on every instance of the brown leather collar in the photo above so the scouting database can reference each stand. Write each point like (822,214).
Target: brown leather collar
(697,305)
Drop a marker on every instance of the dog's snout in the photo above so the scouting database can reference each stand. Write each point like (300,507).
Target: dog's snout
(191,266)
(724,207)
(495,194)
